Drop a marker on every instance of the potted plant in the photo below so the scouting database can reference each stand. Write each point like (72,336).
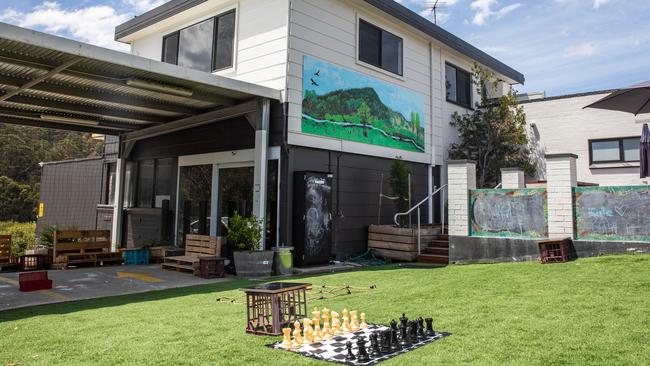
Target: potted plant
(245,235)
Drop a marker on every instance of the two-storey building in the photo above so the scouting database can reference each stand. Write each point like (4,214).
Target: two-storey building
(362,83)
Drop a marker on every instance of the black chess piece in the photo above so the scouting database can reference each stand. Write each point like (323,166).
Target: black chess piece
(404,337)
(393,324)
(430,332)
(385,341)
(350,355)
(394,343)
(362,354)
(421,335)
(404,320)
(412,331)
(374,345)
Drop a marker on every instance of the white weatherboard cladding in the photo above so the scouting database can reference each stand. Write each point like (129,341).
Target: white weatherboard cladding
(261,38)
(565,127)
(327,30)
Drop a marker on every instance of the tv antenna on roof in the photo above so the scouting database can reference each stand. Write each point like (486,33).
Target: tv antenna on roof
(435,5)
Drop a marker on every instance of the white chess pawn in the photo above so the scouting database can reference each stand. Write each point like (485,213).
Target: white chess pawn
(297,337)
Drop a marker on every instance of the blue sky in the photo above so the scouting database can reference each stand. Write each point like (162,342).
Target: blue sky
(561,46)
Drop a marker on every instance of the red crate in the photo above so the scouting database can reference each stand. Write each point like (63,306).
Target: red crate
(555,251)
(36,285)
(33,281)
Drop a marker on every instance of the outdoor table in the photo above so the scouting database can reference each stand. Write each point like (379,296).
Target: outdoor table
(273,306)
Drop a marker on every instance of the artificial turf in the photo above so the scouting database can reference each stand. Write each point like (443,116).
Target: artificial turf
(586,312)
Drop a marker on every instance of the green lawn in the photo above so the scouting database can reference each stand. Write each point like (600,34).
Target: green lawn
(590,311)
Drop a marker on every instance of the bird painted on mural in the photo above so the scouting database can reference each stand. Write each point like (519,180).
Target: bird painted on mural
(313,82)
(317,73)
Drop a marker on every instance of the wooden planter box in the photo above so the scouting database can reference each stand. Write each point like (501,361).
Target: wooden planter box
(398,243)
(157,254)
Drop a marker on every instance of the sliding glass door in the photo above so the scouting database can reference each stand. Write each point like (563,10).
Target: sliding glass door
(195,200)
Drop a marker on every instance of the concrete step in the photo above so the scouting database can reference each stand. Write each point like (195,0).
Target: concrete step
(431,258)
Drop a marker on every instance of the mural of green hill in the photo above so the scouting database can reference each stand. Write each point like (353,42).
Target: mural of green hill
(358,114)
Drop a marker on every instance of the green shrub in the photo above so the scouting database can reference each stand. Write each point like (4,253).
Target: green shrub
(244,233)
(23,235)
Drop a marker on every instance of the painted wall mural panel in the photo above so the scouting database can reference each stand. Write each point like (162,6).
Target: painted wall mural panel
(348,105)
(612,213)
(510,213)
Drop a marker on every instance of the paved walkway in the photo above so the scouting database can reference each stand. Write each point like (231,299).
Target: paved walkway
(89,283)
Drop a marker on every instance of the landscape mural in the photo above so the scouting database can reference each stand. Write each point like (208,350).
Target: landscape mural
(344,104)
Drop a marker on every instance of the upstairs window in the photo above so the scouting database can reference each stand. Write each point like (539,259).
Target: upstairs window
(616,150)
(458,83)
(205,46)
(380,48)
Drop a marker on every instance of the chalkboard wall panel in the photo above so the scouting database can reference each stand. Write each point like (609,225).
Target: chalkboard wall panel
(511,213)
(612,213)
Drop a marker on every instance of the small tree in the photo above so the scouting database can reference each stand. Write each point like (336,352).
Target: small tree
(244,233)
(399,182)
(493,134)
(364,114)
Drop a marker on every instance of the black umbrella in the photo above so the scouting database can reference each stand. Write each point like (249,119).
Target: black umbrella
(633,99)
(645,152)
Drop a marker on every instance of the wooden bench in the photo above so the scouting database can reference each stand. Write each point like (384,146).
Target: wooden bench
(196,246)
(5,249)
(84,247)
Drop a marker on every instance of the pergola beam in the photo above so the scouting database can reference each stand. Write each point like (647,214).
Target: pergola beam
(39,79)
(82,109)
(8,112)
(194,121)
(58,126)
(127,101)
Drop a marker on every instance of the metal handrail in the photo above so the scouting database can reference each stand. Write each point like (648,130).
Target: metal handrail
(418,208)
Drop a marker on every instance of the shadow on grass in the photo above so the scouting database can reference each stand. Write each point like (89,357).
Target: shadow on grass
(119,300)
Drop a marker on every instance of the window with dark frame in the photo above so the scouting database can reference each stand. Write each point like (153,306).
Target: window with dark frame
(205,46)
(614,150)
(153,182)
(458,84)
(380,48)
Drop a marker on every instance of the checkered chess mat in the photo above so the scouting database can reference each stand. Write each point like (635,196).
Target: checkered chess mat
(334,349)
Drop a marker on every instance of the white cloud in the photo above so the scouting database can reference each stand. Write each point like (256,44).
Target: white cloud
(93,24)
(141,6)
(581,50)
(599,3)
(484,10)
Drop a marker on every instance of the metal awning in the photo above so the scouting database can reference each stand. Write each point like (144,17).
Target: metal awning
(54,82)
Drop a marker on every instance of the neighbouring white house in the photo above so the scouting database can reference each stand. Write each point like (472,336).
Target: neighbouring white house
(606,142)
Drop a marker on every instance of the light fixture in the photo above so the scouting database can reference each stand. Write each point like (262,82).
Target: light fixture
(160,87)
(68,120)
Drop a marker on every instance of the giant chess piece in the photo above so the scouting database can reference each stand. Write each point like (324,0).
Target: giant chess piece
(413,331)
(286,341)
(394,342)
(350,356)
(404,320)
(393,324)
(362,354)
(404,337)
(374,345)
(346,324)
(430,332)
(385,341)
(364,324)
(308,331)
(354,321)
(336,323)
(421,335)
(297,337)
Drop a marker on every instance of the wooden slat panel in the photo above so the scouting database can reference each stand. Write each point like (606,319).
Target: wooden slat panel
(5,248)
(399,255)
(374,244)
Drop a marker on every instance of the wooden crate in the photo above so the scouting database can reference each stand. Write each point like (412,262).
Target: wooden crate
(5,249)
(398,243)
